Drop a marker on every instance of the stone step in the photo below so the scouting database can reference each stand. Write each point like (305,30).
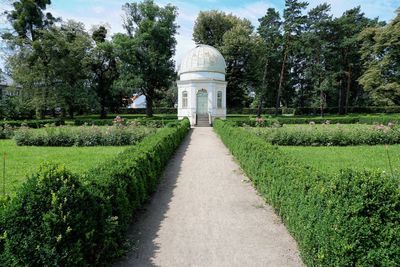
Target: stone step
(202,121)
(202,124)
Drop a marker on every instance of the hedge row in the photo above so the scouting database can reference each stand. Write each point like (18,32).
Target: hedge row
(82,136)
(362,119)
(316,111)
(32,123)
(143,111)
(64,219)
(348,219)
(329,135)
(153,122)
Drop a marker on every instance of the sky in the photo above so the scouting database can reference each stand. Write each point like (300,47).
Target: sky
(95,12)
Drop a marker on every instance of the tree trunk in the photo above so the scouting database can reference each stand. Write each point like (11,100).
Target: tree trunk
(260,105)
(322,101)
(348,74)
(342,97)
(149,106)
(278,97)
(103,112)
(71,111)
(264,89)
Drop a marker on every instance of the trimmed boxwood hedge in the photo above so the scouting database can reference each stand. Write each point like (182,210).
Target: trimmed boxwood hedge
(82,136)
(329,135)
(64,219)
(362,119)
(316,111)
(348,219)
(139,121)
(32,123)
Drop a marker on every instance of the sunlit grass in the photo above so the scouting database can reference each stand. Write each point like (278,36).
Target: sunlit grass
(24,160)
(332,159)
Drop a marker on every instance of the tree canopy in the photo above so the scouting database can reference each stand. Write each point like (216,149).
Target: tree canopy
(301,58)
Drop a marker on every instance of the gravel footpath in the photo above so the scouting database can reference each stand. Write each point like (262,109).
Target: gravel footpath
(206,213)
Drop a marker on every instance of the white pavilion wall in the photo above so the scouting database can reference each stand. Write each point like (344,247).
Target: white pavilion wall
(192,87)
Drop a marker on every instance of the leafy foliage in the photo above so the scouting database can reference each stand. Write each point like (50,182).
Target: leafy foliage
(380,52)
(234,37)
(146,50)
(350,218)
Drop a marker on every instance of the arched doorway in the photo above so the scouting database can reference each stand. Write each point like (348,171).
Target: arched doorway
(202,102)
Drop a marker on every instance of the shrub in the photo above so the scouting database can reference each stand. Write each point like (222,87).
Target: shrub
(33,123)
(62,219)
(330,135)
(317,111)
(349,119)
(150,122)
(348,219)
(6,131)
(264,122)
(48,222)
(82,136)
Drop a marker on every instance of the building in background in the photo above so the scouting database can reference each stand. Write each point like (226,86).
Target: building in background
(137,101)
(202,86)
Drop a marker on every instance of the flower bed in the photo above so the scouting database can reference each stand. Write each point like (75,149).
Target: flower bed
(330,135)
(82,136)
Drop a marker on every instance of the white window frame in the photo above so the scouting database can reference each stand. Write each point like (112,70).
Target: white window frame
(219,99)
(184,99)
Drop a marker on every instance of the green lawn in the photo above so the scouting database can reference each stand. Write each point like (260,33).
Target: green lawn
(333,158)
(24,160)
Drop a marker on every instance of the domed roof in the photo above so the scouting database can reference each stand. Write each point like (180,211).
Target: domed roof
(203,58)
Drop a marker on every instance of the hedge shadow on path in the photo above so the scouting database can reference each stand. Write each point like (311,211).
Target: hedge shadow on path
(145,227)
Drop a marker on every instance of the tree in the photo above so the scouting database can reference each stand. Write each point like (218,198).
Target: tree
(292,27)
(346,54)
(104,69)
(238,49)
(233,37)
(380,52)
(269,56)
(210,27)
(53,72)
(150,40)
(316,46)
(28,18)
(70,45)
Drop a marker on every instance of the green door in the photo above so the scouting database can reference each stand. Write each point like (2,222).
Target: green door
(202,102)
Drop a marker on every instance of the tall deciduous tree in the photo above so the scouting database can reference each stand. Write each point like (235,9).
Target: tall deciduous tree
(53,72)
(380,52)
(210,27)
(151,39)
(104,69)
(233,37)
